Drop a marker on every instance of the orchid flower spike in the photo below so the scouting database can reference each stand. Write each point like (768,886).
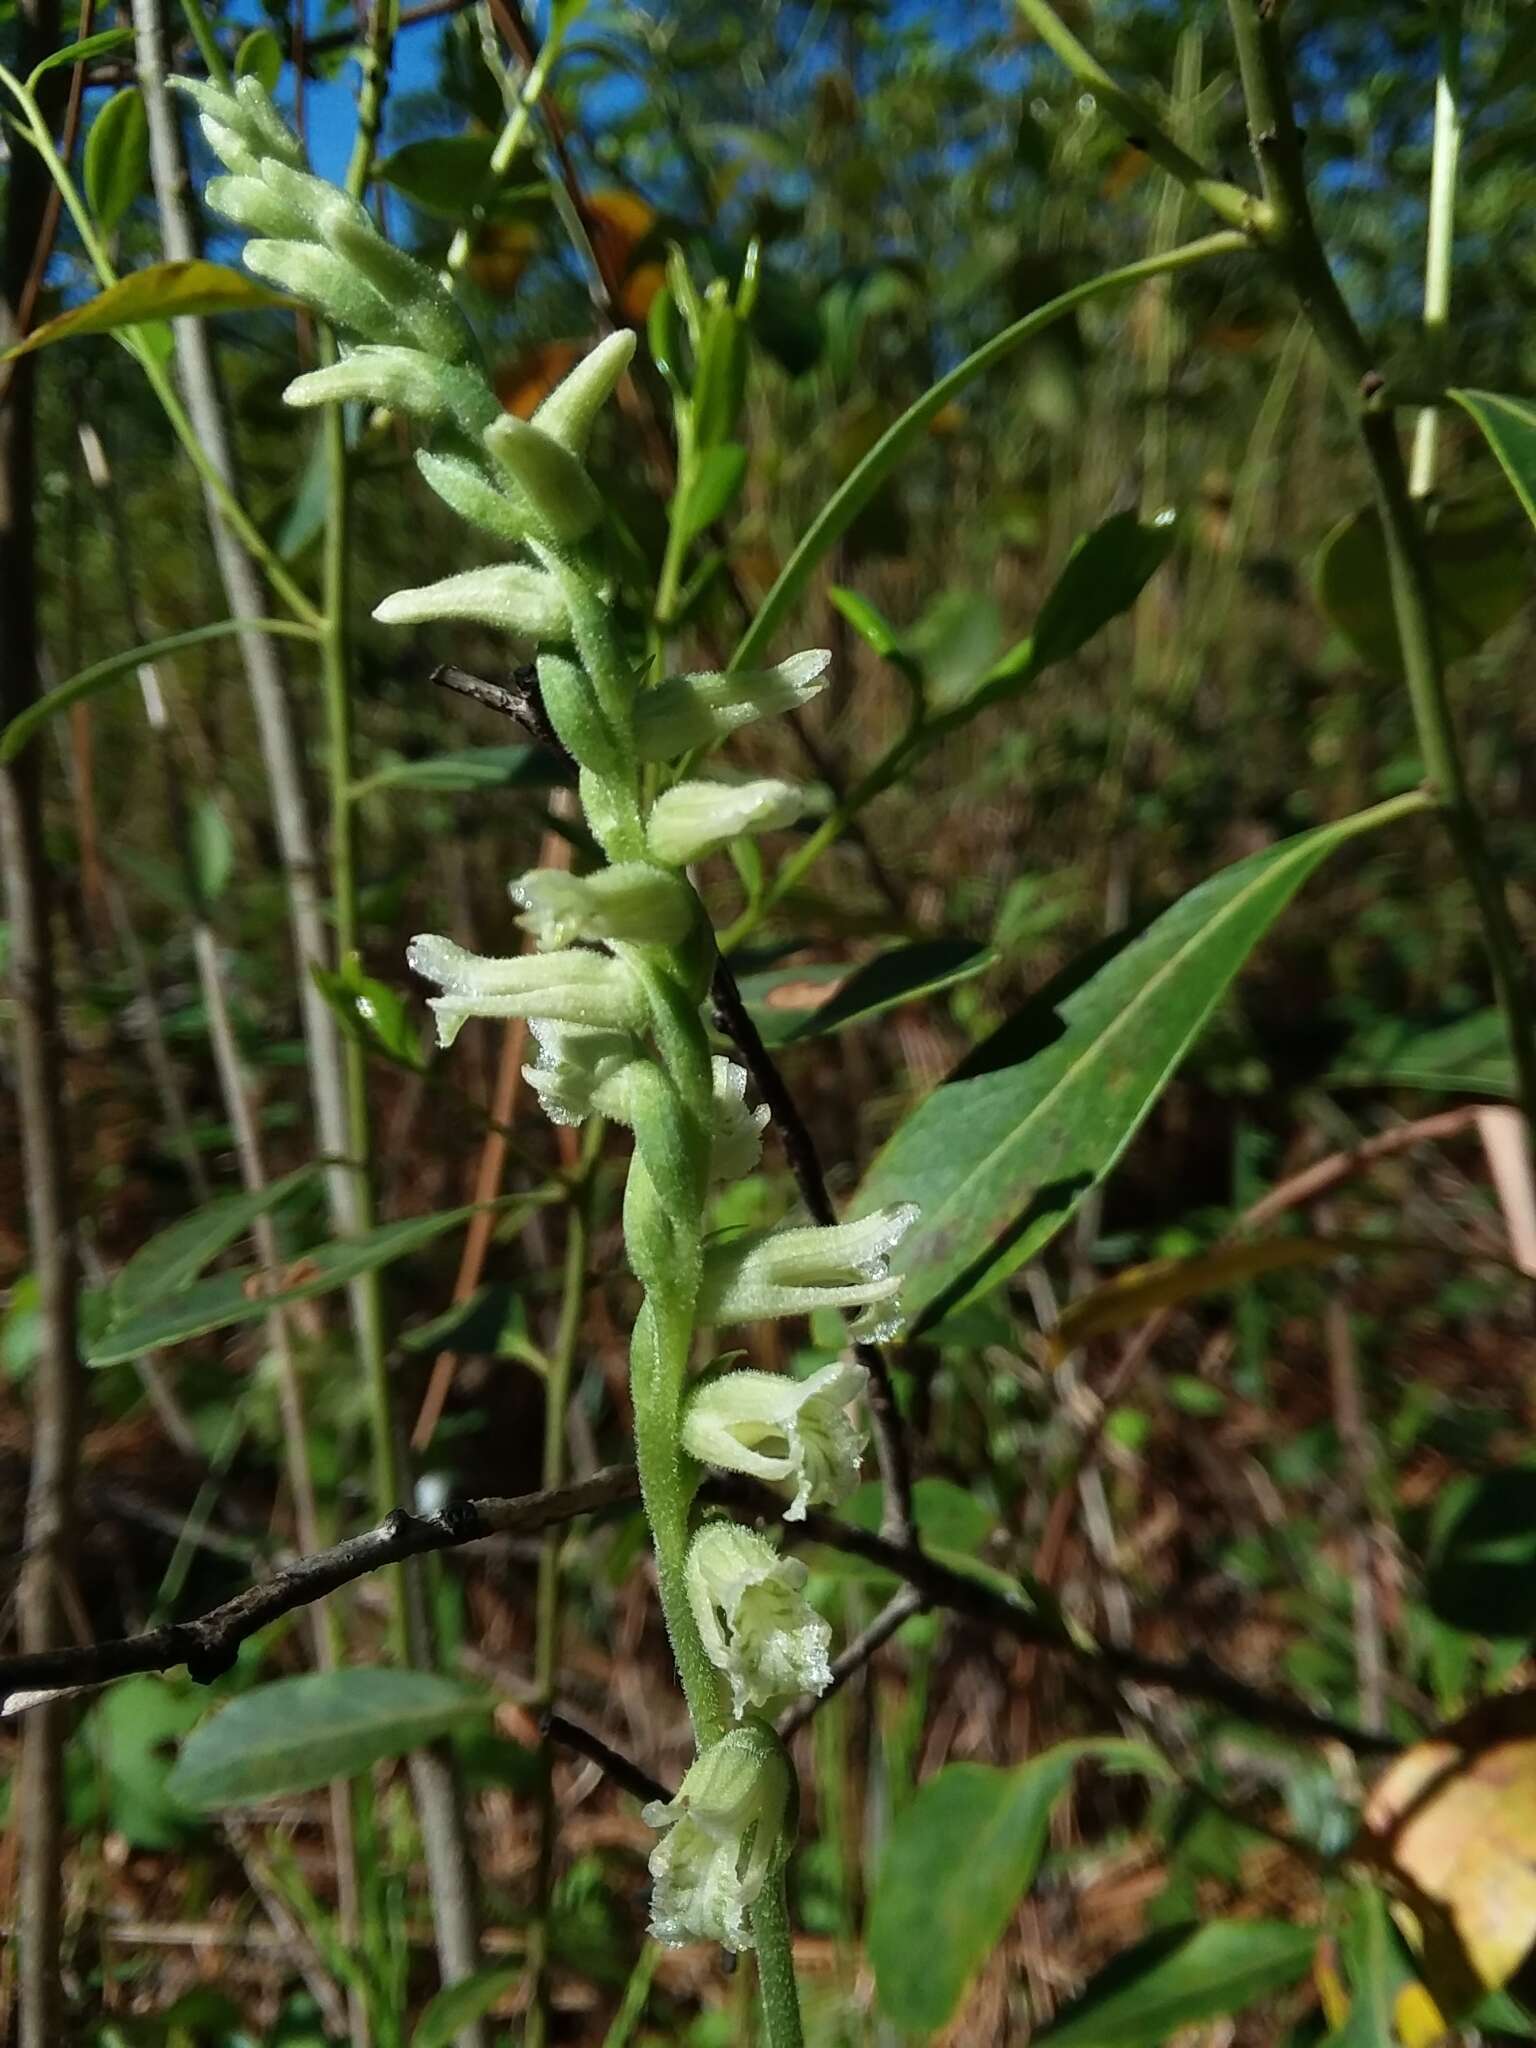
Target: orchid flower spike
(722,1838)
(756,1623)
(788,1431)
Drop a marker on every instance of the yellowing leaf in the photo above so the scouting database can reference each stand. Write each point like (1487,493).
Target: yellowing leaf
(161,291)
(1452,1825)
(1133,1295)
(1416,2019)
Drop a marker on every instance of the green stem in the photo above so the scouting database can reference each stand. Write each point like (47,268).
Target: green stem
(861,483)
(879,778)
(1444,159)
(207,47)
(1298,249)
(546,1643)
(776,1966)
(509,141)
(158,376)
(1227,201)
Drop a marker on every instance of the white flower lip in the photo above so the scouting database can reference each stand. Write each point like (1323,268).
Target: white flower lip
(738,1131)
(753,1618)
(568,988)
(580,1071)
(783,1430)
(721,1839)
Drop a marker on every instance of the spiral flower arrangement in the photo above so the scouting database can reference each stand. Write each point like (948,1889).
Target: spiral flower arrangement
(614,995)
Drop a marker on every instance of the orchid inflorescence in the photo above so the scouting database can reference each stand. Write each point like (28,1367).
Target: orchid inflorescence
(614,993)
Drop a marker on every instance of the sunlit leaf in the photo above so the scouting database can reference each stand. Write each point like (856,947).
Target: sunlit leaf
(173,1258)
(1178,1977)
(297,1733)
(1000,1156)
(117,157)
(162,291)
(1452,1825)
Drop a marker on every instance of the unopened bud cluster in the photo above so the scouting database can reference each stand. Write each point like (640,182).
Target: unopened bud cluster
(613,989)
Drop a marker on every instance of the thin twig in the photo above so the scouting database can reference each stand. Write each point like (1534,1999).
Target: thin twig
(208,1645)
(623,1771)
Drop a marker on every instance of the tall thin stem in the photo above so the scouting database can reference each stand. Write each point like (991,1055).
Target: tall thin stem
(56,1389)
(546,1647)
(1445,158)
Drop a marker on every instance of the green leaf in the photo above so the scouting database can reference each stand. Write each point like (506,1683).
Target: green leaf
(898,441)
(244,1294)
(260,56)
(788,1008)
(131,1729)
(1482,1568)
(717,477)
(81,53)
(173,1258)
(1179,1976)
(1509,427)
(372,1014)
(298,1733)
(1479,571)
(450,175)
(212,849)
(161,291)
(117,157)
(868,621)
(1000,1156)
(1104,575)
(457,2004)
(1375,1971)
(469,768)
(1467,1057)
(959,1859)
(115,667)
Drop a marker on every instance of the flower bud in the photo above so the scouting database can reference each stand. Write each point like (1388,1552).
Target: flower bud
(321,203)
(548,476)
(722,1838)
(794,1272)
(423,310)
(783,1430)
(404,379)
(227,144)
(694,818)
(464,486)
(327,283)
(571,408)
(566,988)
(756,1624)
(738,1131)
(695,711)
(580,1072)
(633,903)
(507,595)
(251,203)
(269,132)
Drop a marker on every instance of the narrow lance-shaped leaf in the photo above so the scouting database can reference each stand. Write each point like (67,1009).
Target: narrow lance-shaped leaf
(248,1292)
(1509,426)
(1002,1154)
(174,1257)
(113,668)
(298,1733)
(959,1860)
(1180,1976)
(161,291)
